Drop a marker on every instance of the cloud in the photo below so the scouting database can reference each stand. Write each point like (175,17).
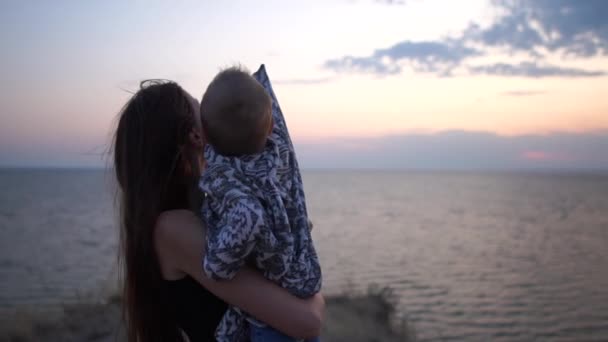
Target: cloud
(371,65)
(303,81)
(544,156)
(530,69)
(523,93)
(575,27)
(426,56)
(460,150)
(443,150)
(536,28)
(391,2)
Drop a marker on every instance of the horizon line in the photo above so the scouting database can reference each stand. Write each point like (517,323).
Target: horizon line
(534,169)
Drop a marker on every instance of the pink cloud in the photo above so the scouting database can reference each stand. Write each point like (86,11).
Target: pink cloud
(545,156)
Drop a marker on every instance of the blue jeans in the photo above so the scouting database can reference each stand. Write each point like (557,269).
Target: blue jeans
(268,334)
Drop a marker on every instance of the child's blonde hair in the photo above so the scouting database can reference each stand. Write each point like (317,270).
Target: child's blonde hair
(236,113)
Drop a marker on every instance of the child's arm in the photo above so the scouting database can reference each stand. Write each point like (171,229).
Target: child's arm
(279,124)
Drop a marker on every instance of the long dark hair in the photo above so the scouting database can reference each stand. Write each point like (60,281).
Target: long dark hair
(154,174)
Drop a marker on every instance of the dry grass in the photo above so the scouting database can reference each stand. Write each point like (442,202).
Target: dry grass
(364,318)
(76,323)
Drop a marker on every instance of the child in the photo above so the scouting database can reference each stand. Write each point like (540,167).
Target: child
(255,209)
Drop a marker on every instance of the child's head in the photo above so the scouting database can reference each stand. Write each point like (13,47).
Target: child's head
(236,113)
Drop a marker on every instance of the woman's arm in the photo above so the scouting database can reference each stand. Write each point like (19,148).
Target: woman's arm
(180,243)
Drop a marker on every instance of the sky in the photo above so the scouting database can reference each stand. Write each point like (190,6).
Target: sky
(434,84)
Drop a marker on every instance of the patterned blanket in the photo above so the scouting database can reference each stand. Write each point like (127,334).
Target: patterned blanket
(255,212)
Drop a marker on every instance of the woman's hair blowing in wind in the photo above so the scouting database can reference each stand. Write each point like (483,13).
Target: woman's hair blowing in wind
(151,165)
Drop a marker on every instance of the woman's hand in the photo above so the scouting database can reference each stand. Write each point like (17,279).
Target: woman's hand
(180,244)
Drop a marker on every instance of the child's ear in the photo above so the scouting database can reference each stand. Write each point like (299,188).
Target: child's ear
(196,138)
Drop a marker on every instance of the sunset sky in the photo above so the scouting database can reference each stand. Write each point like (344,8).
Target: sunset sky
(374,84)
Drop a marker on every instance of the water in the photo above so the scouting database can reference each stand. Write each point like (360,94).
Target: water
(58,236)
(468,256)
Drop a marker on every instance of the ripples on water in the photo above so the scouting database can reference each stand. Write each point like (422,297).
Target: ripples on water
(471,256)
(501,257)
(57,236)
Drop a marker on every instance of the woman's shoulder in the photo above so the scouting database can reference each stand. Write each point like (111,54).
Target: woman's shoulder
(169,219)
(174,231)
(174,225)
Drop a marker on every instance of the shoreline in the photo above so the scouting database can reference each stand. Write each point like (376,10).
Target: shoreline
(362,318)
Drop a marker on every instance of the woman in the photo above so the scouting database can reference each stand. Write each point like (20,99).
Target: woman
(157,160)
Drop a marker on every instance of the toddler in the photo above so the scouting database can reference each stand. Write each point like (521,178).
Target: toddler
(255,210)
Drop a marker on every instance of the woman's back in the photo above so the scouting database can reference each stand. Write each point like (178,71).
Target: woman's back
(197,311)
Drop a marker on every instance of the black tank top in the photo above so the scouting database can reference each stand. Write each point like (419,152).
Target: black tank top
(198,311)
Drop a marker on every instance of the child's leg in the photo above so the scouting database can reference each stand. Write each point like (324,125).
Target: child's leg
(268,334)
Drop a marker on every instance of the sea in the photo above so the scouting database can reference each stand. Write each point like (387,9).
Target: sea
(463,255)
